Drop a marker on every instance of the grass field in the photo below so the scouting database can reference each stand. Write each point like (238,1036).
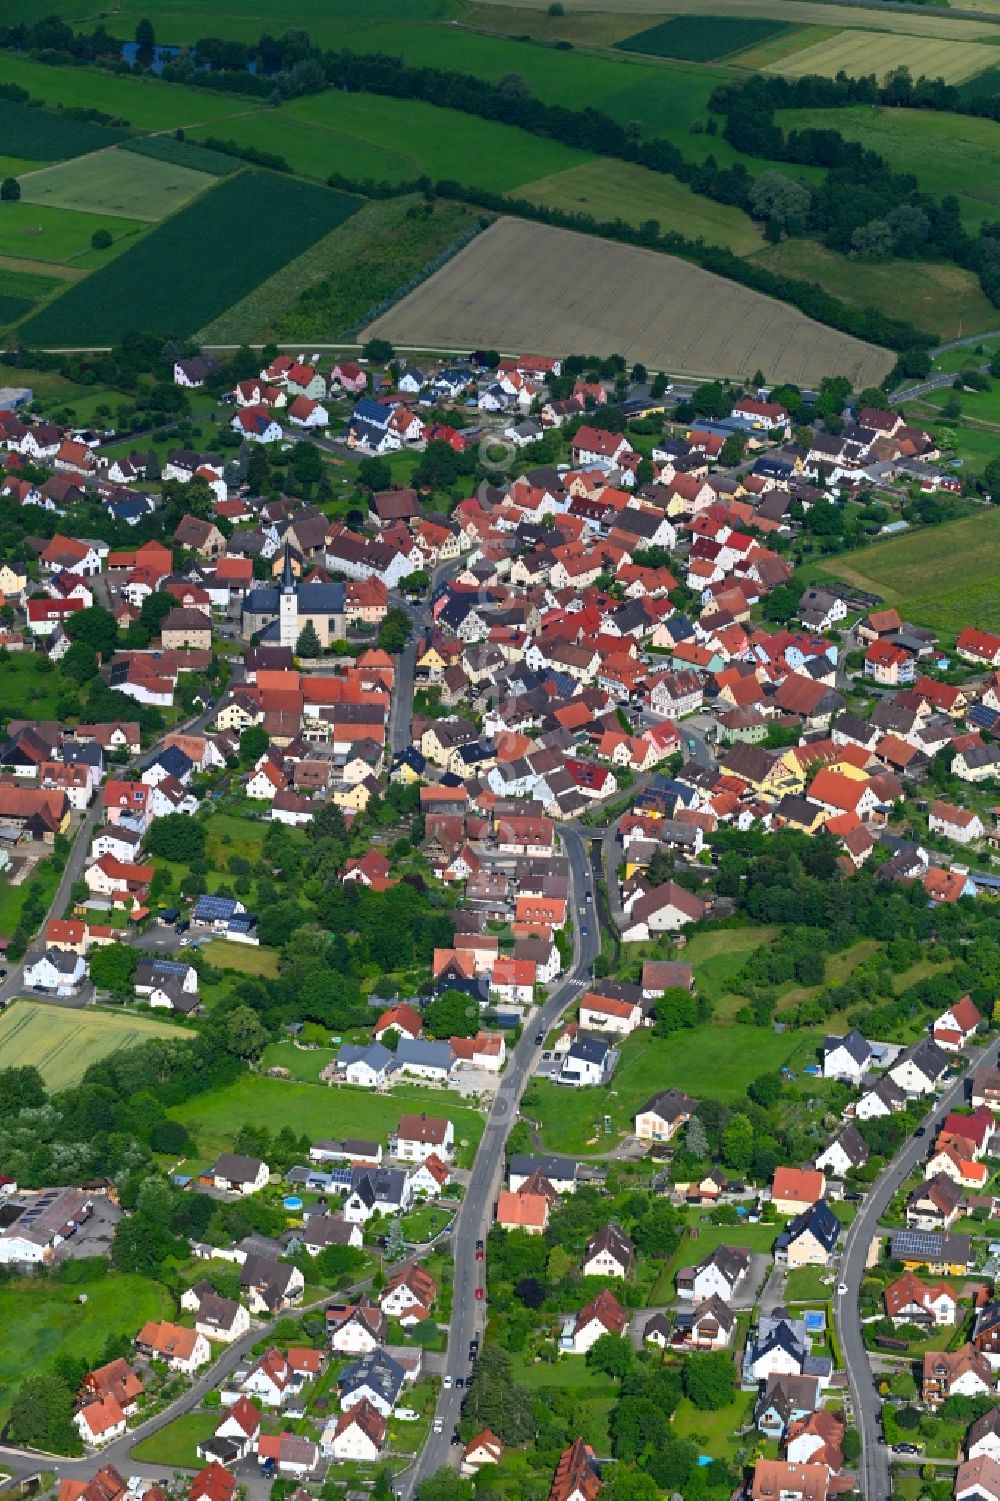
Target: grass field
(62,1044)
(193,266)
(716,1433)
(147,104)
(947,153)
(618,190)
(179,21)
(318,1110)
(41,1320)
(365,135)
(27,284)
(43,135)
(858,53)
(241,957)
(712,1059)
(944,577)
(175,1445)
(701,39)
(121,183)
(522,285)
(40,232)
(935,295)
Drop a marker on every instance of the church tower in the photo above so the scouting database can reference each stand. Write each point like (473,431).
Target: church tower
(288,604)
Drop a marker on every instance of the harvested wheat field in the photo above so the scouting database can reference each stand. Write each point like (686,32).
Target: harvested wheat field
(522,286)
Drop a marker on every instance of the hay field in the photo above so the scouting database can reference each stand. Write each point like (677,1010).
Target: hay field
(619,190)
(529,286)
(121,183)
(858,53)
(63,1043)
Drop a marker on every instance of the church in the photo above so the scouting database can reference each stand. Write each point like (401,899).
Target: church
(277,615)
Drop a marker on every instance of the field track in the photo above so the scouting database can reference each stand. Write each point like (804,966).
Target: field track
(554,291)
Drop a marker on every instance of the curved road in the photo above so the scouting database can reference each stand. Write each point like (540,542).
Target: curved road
(874,1470)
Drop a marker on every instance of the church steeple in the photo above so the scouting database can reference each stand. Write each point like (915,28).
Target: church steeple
(287,572)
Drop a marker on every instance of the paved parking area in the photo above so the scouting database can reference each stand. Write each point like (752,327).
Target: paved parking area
(95,1236)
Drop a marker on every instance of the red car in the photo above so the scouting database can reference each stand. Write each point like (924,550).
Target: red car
(480,1254)
(479,1293)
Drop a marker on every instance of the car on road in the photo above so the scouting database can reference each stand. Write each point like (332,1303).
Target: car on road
(590,896)
(480,1294)
(447,1383)
(459,1380)
(473,1348)
(919,1131)
(480,1251)
(439,1425)
(841,1289)
(539,1039)
(583,930)
(455,1439)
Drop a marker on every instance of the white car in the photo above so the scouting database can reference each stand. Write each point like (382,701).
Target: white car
(841,1289)
(439,1425)
(447,1383)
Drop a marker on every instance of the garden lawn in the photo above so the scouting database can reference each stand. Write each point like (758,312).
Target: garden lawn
(242,957)
(40,1319)
(716,1433)
(942,576)
(304,1064)
(425,1223)
(809,1284)
(176,1444)
(197,263)
(758,1238)
(713,1059)
(40,232)
(26,679)
(319,1111)
(62,1043)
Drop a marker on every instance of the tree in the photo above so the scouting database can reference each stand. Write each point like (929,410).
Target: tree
(737,1143)
(10,190)
(782,201)
(145,36)
(80,663)
(21,1088)
(872,241)
(696,1140)
(440,466)
(379,351)
(245,1036)
(112,967)
(101,239)
(851,1446)
(336,1264)
(611,1355)
(732,450)
(394,631)
(308,644)
(152,610)
(452,1014)
(625,1483)
(991,478)
(374,474)
(254,741)
(638,1425)
(658,1232)
(41,1415)
(708,1380)
(494,1400)
(445,1485)
(176,837)
(97,628)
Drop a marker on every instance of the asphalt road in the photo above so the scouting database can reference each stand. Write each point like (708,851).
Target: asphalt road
(874,1471)
(468,1315)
